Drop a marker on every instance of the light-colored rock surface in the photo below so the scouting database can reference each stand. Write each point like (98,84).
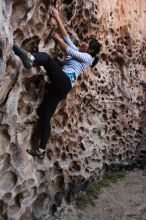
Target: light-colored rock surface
(125,200)
(102,122)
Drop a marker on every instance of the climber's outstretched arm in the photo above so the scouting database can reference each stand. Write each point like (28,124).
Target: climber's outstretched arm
(55,14)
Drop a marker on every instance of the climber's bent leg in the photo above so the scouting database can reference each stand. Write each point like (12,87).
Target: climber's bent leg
(61,82)
(27,58)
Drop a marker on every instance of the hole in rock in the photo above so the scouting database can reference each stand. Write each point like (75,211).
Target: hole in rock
(85,31)
(55,169)
(4,139)
(58,183)
(53,209)
(31,44)
(24,108)
(30,95)
(70,156)
(7,181)
(69,126)
(1,52)
(114,114)
(37,82)
(63,156)
(42,8)
(82,129)
(60,141)
(28,195)
(69,14)
(58,198)
(104,56)
(84,87)
(107,137)
(75,155)
(3,209)
(7,197)
(67,148)
(40,175)
(4,162)
(120,60)
(87,12)
(18,34)
(63,117)
(114,138)
(49,154)
(95,69)
(106,42)
(41,205)
(112,30)
(46,3)
(75,166)
(118,133)
(28,183)
(13,210)
(102,81)
(111,13)
(104,117)
(57,151)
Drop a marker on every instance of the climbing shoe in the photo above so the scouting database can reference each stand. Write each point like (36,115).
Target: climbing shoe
(39,153)
(26,57)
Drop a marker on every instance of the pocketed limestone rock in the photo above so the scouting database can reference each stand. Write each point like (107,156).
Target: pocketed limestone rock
(101,124)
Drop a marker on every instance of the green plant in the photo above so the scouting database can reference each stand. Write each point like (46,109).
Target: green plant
(95,189)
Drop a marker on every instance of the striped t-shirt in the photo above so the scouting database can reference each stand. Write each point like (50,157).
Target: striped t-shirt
(76,61)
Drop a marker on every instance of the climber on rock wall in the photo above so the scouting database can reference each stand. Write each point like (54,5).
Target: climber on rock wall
(62,78)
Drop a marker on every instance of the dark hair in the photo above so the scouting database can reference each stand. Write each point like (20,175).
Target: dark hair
(95,46)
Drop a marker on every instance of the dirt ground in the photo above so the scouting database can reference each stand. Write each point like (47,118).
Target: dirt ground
(124,200)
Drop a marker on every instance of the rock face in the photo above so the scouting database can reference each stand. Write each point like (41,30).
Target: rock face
(102,122)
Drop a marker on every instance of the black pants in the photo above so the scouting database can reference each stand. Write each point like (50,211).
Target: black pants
(61,85)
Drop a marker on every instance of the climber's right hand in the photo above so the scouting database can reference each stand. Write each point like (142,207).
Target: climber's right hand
(54,12)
